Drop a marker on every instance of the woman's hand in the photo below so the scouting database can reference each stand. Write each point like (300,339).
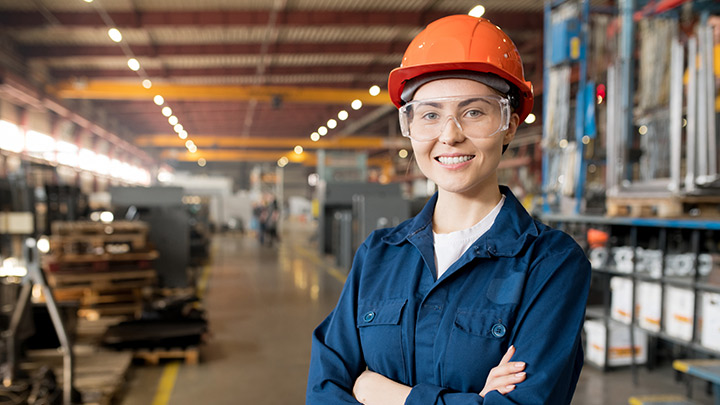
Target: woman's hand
(373,388)
(505,376)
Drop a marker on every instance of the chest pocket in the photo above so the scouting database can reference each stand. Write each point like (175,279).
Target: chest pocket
(477,342)
(380,331)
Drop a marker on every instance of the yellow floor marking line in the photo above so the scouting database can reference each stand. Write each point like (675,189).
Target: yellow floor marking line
(332,270)
(203,282)
(166,384)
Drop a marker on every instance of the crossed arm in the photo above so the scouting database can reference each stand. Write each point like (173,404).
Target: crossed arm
(372,388)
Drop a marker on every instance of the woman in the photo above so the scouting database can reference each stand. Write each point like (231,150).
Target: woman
(434,309)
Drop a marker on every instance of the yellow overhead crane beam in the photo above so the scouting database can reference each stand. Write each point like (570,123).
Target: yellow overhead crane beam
(215,155)
(334,142)
(123,90)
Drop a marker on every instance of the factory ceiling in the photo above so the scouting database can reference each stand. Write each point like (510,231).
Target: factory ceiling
(246,79)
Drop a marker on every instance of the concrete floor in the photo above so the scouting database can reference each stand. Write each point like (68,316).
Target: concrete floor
(263,304)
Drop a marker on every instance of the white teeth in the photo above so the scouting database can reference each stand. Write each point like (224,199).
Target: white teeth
(453,160)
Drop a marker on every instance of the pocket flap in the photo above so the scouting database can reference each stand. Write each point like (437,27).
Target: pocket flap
(490,324)
(380,312)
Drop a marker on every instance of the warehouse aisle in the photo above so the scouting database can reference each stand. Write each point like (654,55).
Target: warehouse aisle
(263,304)
(262,307)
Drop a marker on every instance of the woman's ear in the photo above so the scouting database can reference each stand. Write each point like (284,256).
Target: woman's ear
(512,128)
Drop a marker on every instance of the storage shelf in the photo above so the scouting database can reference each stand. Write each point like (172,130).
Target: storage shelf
(688,223)
(677,282)
(598,313)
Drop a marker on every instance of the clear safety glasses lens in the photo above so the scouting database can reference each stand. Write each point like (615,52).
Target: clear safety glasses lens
(474,116)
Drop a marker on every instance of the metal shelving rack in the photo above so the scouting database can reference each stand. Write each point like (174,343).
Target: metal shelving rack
(700,231)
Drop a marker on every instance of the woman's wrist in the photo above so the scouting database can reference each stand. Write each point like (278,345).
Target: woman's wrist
(373,388)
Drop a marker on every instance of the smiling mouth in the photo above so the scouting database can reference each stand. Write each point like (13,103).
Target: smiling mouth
(453,160)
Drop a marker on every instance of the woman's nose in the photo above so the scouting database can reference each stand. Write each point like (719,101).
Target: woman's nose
(451,131)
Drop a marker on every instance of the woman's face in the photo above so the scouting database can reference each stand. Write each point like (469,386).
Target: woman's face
(456,163)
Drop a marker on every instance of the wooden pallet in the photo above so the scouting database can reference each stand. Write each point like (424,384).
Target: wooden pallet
(75,237)
(100,375)
(663,207)
(76,263)
(95,228)
(102,280)
(105,293)
(190,355)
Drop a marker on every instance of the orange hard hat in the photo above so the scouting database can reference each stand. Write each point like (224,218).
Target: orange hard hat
(463,42)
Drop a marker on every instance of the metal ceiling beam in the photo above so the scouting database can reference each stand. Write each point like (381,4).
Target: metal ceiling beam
(107,90)
(66,73)
(306,158)
(194,49)
(337,141)
(137,19)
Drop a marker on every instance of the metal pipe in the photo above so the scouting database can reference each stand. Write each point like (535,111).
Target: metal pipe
(676,99)
(10,334)
(702,109)
(627,46)
(710,97)
(38,277)
(691,130)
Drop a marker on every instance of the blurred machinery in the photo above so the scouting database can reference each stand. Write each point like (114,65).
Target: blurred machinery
(169,227)
(350,211)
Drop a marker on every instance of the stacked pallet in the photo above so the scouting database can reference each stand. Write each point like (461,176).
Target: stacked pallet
(664,206)
(105,266)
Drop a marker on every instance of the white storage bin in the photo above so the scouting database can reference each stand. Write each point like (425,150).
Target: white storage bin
(648,304)
(710,335)
(679,311)
(621,300)
(619,353)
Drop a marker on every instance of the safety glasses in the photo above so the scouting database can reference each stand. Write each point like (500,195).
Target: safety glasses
(474,116)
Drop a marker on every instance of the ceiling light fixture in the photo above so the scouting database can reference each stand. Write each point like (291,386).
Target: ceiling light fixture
(315,136)
(322,131)
(298,150)
(166,111)
(374,90)
(202,162)
(147,83)
(356,104)
(115,34)
(331,123)
(178,128)
(530,118)
(173,120)
(133,64)
(343,115)
(183,134)
(159,100)
(477,11)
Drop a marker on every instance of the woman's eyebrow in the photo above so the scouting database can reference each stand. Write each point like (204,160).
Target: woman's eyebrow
(472,100)
(429,103)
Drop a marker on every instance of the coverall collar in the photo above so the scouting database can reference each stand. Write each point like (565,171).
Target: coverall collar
(512,231)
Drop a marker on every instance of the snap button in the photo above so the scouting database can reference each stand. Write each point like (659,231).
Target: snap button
(498,330)
(369,316)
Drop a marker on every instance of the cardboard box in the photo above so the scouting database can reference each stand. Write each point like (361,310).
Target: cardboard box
(710,334)
(619,353)
(621,299)
(648,304)
(679,311)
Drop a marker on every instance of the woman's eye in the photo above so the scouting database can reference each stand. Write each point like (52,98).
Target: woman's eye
(431,116)
(474,113)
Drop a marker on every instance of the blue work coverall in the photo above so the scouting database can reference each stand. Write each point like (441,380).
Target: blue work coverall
(522,283)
